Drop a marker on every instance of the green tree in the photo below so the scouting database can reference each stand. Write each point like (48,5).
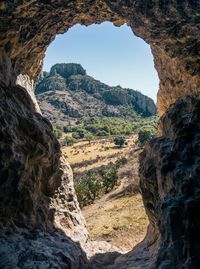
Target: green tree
(119,141)
(144,136)
(109,178)
(70,140)
(89,136)
(57,131)
(88,189)
(67,129)
(102,133)
(81,132)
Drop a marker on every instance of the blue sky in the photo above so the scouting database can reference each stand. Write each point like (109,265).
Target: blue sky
(111,54)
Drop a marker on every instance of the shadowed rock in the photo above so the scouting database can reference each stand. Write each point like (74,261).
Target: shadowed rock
(169,170)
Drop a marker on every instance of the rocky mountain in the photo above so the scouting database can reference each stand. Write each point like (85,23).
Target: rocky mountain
(67,95)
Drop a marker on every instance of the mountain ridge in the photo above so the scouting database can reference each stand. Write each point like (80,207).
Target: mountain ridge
(68,94)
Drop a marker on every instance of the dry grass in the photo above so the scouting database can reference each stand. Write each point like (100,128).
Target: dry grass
(122,222)
(99,152)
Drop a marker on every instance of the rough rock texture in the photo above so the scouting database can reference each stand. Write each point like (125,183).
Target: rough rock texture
(39,249)
(35,181)
(170,167)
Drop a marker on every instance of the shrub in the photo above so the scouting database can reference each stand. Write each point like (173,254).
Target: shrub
(119,141)
(89,136)
(144,136)
(88,189)
(75,135)
(79,133)
(70,140)
(121,161)
(57,131)
(67,129)
(102,133)
(94,183)
(109,178)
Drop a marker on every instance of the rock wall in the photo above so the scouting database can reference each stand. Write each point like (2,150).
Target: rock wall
(36,181)
(169,170)
(36,191)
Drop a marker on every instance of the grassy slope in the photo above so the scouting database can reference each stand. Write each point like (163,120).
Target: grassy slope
(119,214)
(122,221)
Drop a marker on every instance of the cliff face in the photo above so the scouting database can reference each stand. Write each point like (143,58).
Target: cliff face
(36,183)
(68,94)
(170,187)
(36,189)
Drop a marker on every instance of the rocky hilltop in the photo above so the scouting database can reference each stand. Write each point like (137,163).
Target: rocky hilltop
(68,94)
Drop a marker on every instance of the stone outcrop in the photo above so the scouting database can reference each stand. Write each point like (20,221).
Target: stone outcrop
(39,249)
(67,70)
(36,192)
(36,182)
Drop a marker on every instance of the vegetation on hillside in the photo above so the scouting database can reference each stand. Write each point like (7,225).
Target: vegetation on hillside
(120,141)
(93,184)
(107,126)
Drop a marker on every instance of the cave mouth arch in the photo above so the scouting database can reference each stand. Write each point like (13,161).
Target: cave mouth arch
(170,44)
(35,175)
(61,50)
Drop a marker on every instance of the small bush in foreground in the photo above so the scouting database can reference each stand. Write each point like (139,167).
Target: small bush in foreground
(109,178)
(93,184)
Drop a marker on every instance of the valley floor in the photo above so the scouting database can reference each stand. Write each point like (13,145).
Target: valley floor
(118,217)
(84,155)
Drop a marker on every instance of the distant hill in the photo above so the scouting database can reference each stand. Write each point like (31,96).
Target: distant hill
(68,95)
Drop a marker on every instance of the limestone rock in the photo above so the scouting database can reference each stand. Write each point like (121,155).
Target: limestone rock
(36,181)
(170,186)
(67,70)
(25,249)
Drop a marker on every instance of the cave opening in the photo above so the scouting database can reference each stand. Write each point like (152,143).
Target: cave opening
(40,218)
(79,68)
